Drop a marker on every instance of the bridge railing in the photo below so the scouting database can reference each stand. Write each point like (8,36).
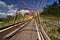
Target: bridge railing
(11,30)
(46,37)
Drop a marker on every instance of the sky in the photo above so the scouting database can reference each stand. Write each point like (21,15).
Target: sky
(30,3)
(7,5)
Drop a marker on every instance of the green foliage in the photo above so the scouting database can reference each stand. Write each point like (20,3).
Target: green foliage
(6,19)
(9,20)
(54,38)
(58,30)
(19,16)
(53,30)
(52,10)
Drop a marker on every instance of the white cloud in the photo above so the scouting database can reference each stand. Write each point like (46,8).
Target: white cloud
(12,12)
(10,6)
(3,15)
(3,7)
(6,9)
(24,11)
(2,3)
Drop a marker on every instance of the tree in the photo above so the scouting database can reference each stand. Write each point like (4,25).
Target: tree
(59,1)
(52,10)
(19,16)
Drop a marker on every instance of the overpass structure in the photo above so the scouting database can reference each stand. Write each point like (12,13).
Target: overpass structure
(26,30)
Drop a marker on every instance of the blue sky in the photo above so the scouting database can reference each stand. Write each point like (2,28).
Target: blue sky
(30,3)
(51,1)
(7,5)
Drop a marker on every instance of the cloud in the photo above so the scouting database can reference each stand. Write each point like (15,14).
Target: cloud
(3,7)
(2,3)
(24,11)
(6,9)
(10,6)
(12,12)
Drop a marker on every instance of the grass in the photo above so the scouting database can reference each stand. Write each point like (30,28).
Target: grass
(54,38)
(9,20)
(1,24)
(50,17)
(4,24)
(53,30)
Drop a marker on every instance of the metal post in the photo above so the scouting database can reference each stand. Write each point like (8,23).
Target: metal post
(15,18)
(38,17)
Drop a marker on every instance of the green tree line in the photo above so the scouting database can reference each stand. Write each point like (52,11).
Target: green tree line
(51,10)
(9,19)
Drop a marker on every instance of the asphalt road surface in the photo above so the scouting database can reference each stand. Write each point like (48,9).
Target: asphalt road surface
(29,32)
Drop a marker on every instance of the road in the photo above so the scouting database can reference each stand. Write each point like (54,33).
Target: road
(29,32)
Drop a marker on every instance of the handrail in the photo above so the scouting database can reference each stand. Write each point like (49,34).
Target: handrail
(11,25)
(11,30)
(45,36)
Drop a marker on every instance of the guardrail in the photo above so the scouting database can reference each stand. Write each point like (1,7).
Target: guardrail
(46,37)
(43,33)
(11,25)
(10,30)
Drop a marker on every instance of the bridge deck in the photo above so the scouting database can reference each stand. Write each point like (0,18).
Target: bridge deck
(27,33)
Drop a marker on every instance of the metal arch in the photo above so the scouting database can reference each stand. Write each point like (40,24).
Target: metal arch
(42,3)
(38,4)
(26,5)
